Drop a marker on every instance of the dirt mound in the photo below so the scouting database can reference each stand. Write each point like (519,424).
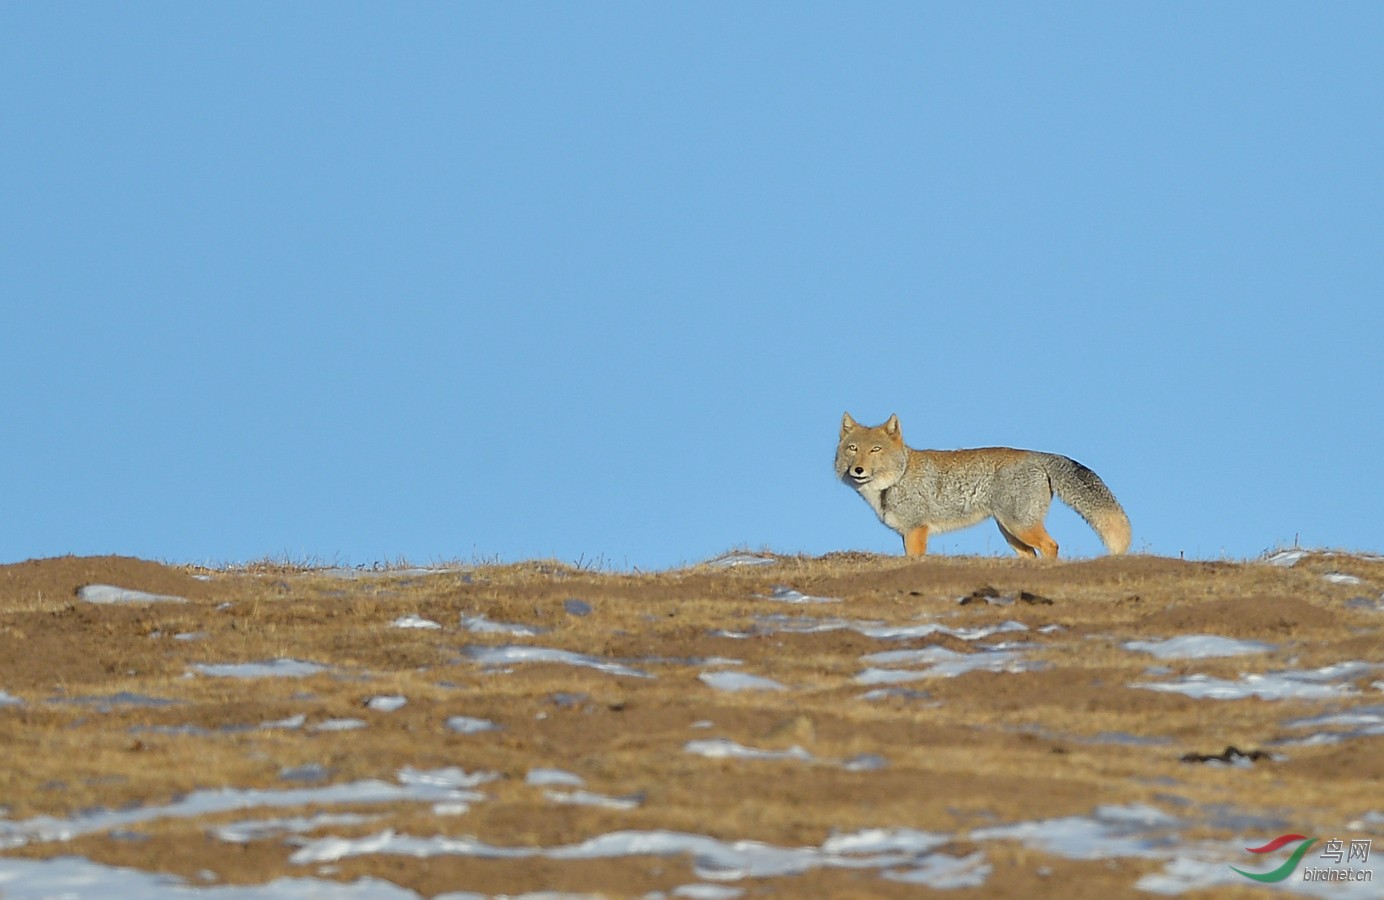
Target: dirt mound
(58,578)
(1255,615)
(837,727)
(50,638)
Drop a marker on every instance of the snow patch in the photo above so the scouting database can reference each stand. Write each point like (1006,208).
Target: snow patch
(448,784)
(273,668)
(71,876)
(785,594)
(906,854)
(516,653)
(739,681)
(1198,646)
(479,624)
(722,748)
(941,662)
(109,593)
(553,777)
(1311,684)
(413,620)
(470,725)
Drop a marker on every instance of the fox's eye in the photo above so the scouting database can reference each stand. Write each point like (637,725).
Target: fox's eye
(851,447)
(876,448)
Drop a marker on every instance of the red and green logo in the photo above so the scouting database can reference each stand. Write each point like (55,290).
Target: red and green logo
(1287,868)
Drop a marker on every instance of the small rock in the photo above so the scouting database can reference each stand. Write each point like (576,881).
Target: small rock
(1230,755)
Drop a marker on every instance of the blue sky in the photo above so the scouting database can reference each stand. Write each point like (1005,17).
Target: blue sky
(358,282)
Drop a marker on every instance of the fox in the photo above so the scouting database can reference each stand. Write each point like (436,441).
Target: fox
(923,492)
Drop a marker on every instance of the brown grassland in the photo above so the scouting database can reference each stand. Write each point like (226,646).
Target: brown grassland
(948,755)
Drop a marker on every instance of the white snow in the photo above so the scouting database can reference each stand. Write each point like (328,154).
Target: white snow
(1198,646)
(288,723)
(878,630)
(1146,832)
(730,560)
(897,632)
(338,725)
(109,593)
(785,594)
(1285,558)
(470,725)
(1206,865)
(413,620)
(1332,728)
(1364,716)
(1311,684)
(386,702)
(904,853)
(865,762)
(272,668)
(517,653)
(587,798)
(414,785)
(942,872)
(942,663)
(248,830)
(553,777)
(1133,830)
(479,624)
(707,892)
(75,877)
(721,748)
(739,681)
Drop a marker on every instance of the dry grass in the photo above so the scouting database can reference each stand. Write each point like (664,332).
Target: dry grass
(963,752)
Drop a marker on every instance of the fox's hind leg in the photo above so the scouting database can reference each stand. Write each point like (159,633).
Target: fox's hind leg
(1019,546)
(1037,536)
(1029,540)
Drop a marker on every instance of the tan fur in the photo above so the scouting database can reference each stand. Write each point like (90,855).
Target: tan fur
(923,492)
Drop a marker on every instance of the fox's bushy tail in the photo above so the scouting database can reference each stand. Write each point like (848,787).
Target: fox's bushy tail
(1082,490)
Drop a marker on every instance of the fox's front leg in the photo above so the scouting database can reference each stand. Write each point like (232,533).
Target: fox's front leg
(915,541)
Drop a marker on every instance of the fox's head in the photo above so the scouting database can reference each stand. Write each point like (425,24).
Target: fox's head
(870,458)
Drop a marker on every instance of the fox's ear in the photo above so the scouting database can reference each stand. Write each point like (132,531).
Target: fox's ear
(847,423)
(891,427)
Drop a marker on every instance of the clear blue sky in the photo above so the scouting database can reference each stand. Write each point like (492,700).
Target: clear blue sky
(597,280)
